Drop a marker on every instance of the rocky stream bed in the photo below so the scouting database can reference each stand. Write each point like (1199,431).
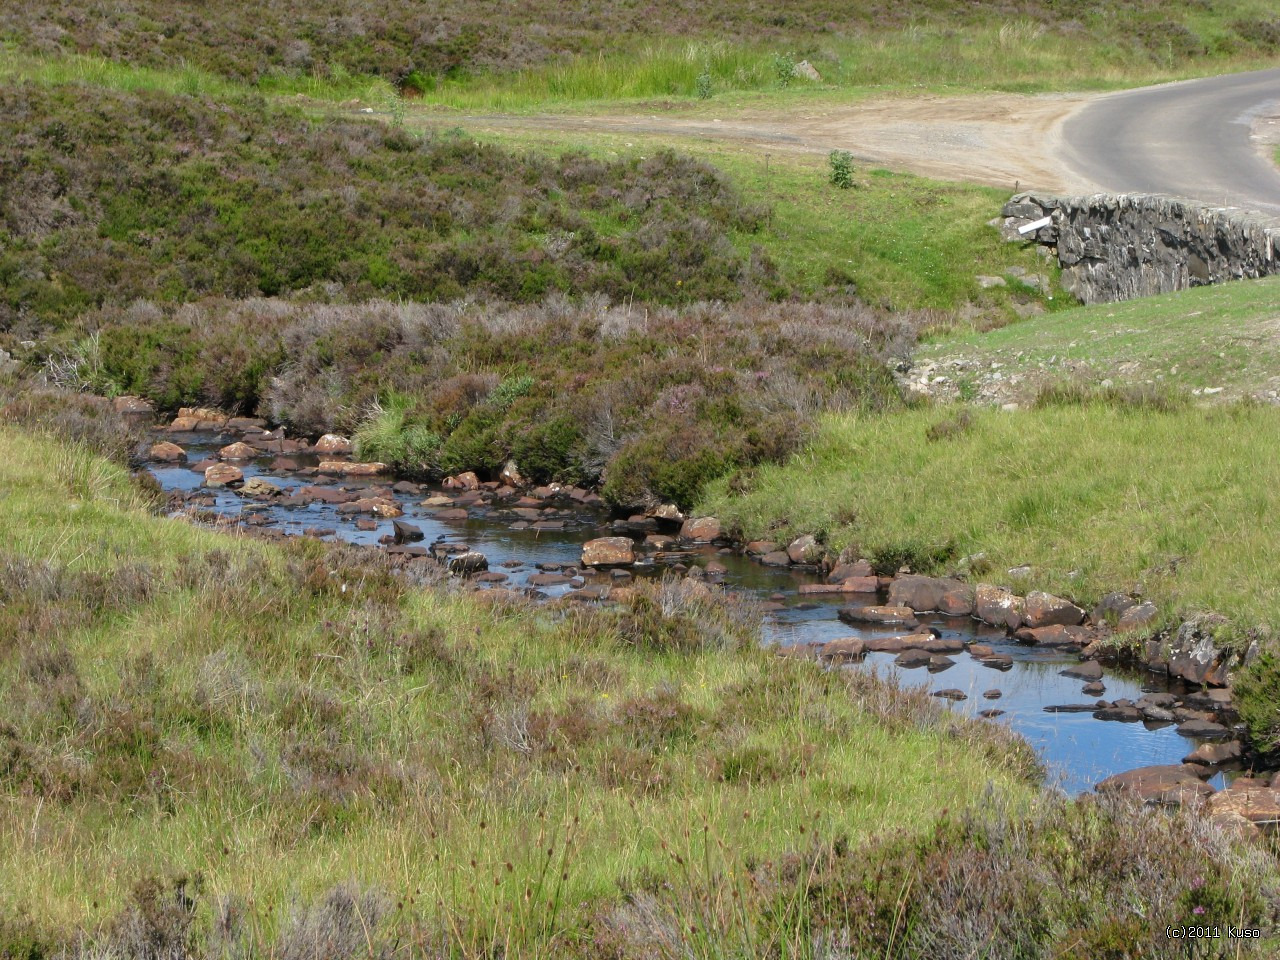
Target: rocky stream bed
(1033,662)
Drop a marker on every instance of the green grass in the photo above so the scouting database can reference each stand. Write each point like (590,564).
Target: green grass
(1015,56)
(1222,338)
(277,720)
(1094,497)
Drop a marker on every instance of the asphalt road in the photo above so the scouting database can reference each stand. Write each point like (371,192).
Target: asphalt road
(1191,139)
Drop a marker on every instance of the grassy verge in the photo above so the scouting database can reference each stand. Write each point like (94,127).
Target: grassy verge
(269,722)
(1223,339)
(1093,496)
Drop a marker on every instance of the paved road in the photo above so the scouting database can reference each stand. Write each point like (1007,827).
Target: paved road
(1191,139)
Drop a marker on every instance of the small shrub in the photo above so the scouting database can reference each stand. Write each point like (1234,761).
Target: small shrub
(784,68)
(951,427)
(703,84)
(841,162)
(921,557)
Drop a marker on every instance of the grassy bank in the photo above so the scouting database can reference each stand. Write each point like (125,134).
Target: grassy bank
(269,722)
(1222,339)
(1093,496)
(212,746)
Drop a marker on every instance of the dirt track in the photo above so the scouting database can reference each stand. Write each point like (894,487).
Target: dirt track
(1001,140)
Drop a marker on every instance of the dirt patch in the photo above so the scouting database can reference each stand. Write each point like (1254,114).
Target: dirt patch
(1002,140)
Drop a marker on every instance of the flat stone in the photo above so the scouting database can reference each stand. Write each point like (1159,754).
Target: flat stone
(1165,784)
(939,662)
(992,694)
(1203,730)
(1137,617)
(548,580)
(951,694)
(701,529)
(608,552)
(222,475)
(1089,670)
(911,659)
(344,468)
(1261,807)
(844,650)
(1215,754)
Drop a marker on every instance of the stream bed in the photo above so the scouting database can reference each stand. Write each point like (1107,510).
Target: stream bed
(1077,749)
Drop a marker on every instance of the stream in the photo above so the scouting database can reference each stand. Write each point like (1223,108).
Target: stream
(1077,749)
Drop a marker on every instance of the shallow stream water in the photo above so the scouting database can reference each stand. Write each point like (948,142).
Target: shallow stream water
(1077,749)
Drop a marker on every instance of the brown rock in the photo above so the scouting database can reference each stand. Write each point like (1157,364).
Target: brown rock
(1089,670)
(1045,610)
(667,511)
(333,443)
(207,414)
(237,451)
(378,506)
(1167,784)
(889,616)
(911,659)
(778,558)
(701,529)
(608,552)
(166,452)
(844,650)
(221,475)
(951,694)
(860,585)
(183,425)
(927,593)
(1215,754)
(260,487)
(365,524)
(132,406)
(805,549)
(998,606)
(1137,617)
(1260,807)
(846,571)
(818,589)
(345,469)
(980,650)
(758,548)
(1054,636)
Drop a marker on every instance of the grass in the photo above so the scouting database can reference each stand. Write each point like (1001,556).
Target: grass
(275,721)
(1223,338)
(1093,496)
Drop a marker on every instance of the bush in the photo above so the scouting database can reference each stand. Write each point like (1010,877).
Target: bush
(841,168)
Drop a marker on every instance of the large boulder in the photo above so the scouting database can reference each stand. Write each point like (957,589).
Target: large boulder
(805,549)
(609,552)
(259,487)
(404,532)
(129,406)
(998,606)
(333,443)
(701,529)
(1172,784)
(222,475)
(166,452)
(932,593)
(1045,610)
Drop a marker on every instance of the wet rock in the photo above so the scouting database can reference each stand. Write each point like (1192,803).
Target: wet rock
(619,576)
(166,452)
(860,585)
(548,580)
(216,418)
(608,552)
(1054,636)
(886,615)
(247,424)
(406,532)
(333,443)
(939,662)
(405,549)
(284,465)
(1137,617)
(222,475)
(716,569)
(1095,689)
(1045,610)
(548,525)
(183,425)
(932,593)
(1215,754)
(473,561)
(491,576)
(406,489)
(319,532)
(998,606)
(701,529)
(237,451)
(778,558)
(1156,714)
(843,651)
(378,506)
(992,694)
(366,525)
(1203,730)
(457,513)
(997,661)
(990,714)
(758,548)
(344,468)
(980,650)
(951,694)
(1165,784)
(1117,712)
(805,549)
(439,500)
(327,495)
(511,475)
(260,487)
(1074,707)
(911,659)
(668,512)
(1089,670)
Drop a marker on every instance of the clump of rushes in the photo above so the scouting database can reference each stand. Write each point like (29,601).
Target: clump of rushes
(386,435)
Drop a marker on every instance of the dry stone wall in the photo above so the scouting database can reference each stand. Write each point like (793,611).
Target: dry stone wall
(1117,247)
